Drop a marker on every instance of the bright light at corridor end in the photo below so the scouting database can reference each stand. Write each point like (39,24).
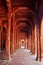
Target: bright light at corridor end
(22,43)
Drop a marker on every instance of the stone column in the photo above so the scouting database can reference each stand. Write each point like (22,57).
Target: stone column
(38,44)
(42,39)
(0,38)
(17,39)
(12,44)
(8,29)
(8,37)
(15,35)
(29,42)
(33,41)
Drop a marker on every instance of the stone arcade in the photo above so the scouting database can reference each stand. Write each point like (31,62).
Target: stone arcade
(21,25)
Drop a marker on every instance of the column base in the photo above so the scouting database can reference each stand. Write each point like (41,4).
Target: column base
(7,57)
(37,59)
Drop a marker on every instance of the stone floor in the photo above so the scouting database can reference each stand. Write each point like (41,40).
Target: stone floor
(21,57)
(2,55)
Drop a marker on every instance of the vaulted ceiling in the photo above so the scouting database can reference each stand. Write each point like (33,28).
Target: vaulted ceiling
(31,4)
(23,12)
(24,3)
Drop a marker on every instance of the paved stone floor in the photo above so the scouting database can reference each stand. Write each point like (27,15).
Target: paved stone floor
(21,57)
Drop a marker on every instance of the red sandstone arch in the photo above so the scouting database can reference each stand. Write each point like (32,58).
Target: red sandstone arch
(18,25)
(22,19)
(8,36)
(12,14)
(20,8)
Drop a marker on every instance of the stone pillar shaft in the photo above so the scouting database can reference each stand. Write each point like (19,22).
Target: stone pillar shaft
(8,38)
(38,45)
(33,42)
(12,44)
(0,38)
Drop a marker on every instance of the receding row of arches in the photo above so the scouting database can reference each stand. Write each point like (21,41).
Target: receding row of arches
(21,30)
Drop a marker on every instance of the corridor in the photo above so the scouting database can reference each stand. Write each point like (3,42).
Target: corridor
(21,32)
(21,57)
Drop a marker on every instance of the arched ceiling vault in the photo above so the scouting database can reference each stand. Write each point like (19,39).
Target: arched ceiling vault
(23,27)
(20,12)
(31,4)
(21,8)
(23,13)
(23,20)
(24,30)
(13,4)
